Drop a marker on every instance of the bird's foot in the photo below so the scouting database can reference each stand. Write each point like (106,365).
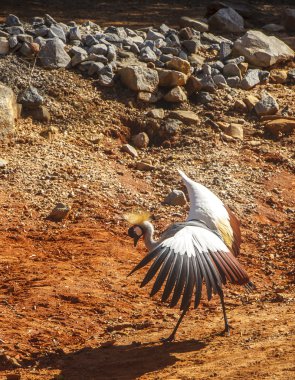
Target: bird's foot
(227,329)
(169,339)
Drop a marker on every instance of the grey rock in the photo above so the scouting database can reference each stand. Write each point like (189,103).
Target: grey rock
(139,78)
(231,70)
(98,58)
(208,84)
(214,39)
(225,50)
(169,128)
(192,46)
(236,60)
(291,75)
(170,50)
(263,76)
(90,40)
(175,198)
(250,79)
(14,30)
(273,28)
(8,110)
(153,35)
(57,31)
(204,97)
(217,65)
(52,55)
(12,20)
(262,50)
(26,50)
(4,34)
(95,68)
(75,34)
(49,20)
(106,76)
(267,105)
(30,98)
(147,55)
(219,80)
(42,31)
(207,69)
(25,38)
(79,57)
(100,49)
(226,20)
(13,42)
(233,82)
(111,53)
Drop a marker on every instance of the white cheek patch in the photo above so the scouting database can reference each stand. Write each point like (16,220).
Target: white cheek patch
(138,231)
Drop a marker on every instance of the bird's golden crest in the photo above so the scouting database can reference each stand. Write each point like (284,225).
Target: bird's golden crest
(137,218)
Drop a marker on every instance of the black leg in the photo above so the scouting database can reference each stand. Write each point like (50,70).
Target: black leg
(172,336)
(226,325)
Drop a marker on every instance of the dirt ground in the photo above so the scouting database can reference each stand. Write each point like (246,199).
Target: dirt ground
(68,311)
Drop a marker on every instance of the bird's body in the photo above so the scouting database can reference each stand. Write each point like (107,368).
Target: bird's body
(202,248)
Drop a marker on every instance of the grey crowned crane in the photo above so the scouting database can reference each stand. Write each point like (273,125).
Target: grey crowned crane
(204,247)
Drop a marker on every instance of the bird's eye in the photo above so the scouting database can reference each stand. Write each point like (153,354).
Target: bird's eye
(137,230)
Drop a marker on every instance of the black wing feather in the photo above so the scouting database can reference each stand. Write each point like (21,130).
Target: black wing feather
(155,266)
(199,281)
(163,272)
(189,287)
(180,282)
(149,257)
(172,278)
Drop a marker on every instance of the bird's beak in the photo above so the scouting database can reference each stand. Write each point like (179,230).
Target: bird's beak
(135,240)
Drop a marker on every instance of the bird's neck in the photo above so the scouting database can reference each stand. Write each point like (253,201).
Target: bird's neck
(148,236)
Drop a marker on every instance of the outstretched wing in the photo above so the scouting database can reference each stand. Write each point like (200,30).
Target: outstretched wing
(207,207)
(184,260)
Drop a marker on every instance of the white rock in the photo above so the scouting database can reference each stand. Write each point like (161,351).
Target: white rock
(139,78)
(262,50)
(8,110)
(267,105)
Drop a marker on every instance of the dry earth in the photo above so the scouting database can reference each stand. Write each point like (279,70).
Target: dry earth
(67,309)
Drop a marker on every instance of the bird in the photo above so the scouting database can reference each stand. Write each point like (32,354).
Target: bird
(201,249)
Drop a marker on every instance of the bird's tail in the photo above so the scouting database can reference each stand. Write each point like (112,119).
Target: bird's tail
(250,287)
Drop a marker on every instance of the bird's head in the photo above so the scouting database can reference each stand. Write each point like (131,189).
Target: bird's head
(136,231)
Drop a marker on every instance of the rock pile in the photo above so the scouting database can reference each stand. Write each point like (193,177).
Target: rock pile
(162,63)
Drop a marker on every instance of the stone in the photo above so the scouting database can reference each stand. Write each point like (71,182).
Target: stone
(179,64)
(95,68)
(169,128)
(207,83)
(56,30)
(236,60)
(175,198)
(243,66)
(141,140)
(240,106)
(40,113)
(26,50)
(75,34)
(250,102)
(219,80)
(204,97)
(233,82)
(53,55)
(262,50)
(154,35)
(231,70)
(289,19)
(100,49)
(139,78)
(226,20)
(273,28)
(59,213)
(187,117)
(4,46)
(235,130)
(279,126)
(198,25)
(3,163)
(156,113)
(49,20)
(251,79)
(15,30)
(225,50)
(8,110)
(176,95)
(279,76)
(191,46)
(49,133)
(147,55)
(12,20)
(267,105)
(25,38)
(171,78)
(30,98)
(144,166)
(149,97)
(106,76)
(130,150)
(291,75)
(214,39)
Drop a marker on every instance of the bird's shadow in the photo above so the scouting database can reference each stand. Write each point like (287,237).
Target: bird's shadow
(124,362)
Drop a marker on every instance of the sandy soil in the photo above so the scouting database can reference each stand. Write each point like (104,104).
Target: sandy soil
(68,310)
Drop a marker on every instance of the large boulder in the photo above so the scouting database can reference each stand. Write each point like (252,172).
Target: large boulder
(8,110)
(262,50)
(53,55)
(139,78)
(226,20)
